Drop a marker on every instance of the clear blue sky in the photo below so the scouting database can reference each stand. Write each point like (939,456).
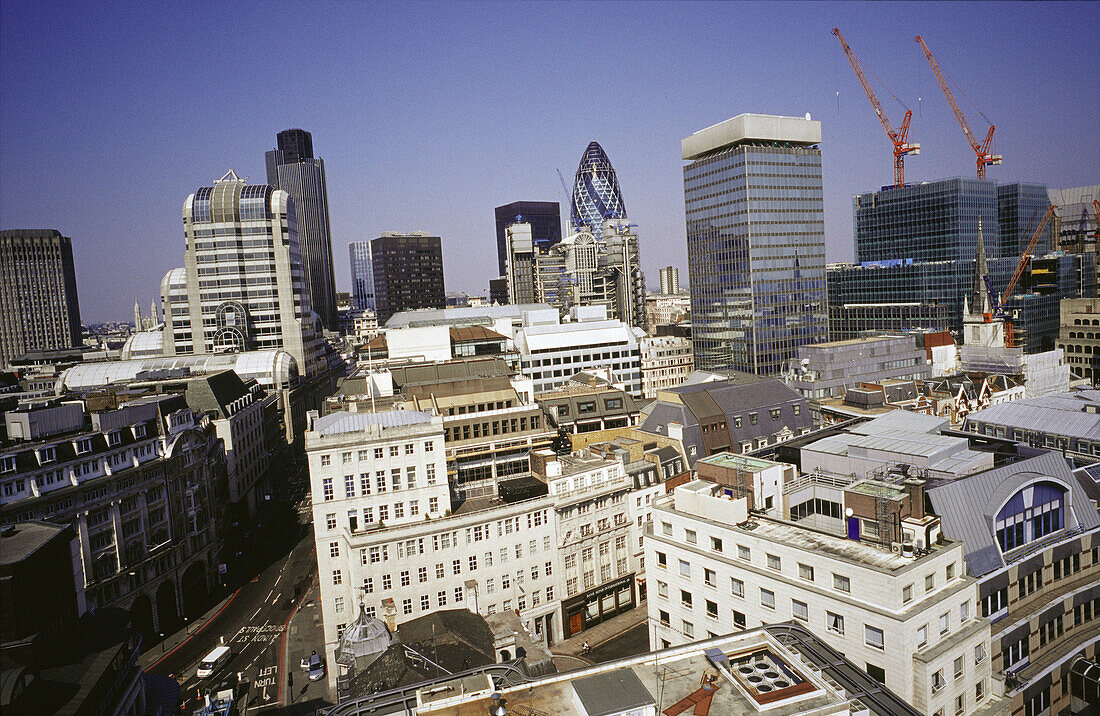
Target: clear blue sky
(430,114)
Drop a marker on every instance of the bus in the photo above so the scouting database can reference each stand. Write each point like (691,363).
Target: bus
(213,662)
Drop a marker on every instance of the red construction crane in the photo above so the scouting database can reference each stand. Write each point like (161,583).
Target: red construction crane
(900,138)
(982,150)
(1007,294)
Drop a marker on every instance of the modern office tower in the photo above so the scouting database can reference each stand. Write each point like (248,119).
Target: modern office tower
(362,275)
(408,273)
(543,216)
(756,267)
(596,195)
(38,305)
(292,167)
(933,221)
(1020,209)
(520,254)
(670,280)
(242,286)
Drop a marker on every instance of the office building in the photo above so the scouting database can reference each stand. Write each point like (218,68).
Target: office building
(824,370)
(39,310)
(850,320)
(1020,209)
(670,280)
(223,300)
(292,167)
(362,275)
(408,273)
(596,195)
(667,362)
(909,620)
(543,216)
(1075,222)
(1079,336)
(756,268)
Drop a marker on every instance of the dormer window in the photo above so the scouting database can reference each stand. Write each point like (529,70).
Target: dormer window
(114,438)
(7,463)
(47,454)
(83,445)
(139,431)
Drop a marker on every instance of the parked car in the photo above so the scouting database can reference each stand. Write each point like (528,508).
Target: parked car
(316,668)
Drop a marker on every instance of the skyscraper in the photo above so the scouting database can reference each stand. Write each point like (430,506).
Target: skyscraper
(543,216)
(38,305)
(408,273)
(362,275)
(596,195)
(755,240)
(292,167)
(242,285)
(670,280)
(1020,209)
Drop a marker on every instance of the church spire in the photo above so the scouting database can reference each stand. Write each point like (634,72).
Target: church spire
(137,317)
(979,296)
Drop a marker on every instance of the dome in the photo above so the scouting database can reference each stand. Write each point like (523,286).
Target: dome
(144,344)
(365,637)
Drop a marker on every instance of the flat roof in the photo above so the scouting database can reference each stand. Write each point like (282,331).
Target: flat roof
(740,462)
(22,539)
(801,131)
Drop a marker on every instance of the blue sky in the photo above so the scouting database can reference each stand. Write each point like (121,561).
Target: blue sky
(430,114)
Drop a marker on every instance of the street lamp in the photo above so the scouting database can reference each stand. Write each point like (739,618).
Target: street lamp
(162,642)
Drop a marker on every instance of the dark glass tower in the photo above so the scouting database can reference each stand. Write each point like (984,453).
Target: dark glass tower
(408,273)
(543,216)
(293,168)
(362,275)
(756,242)
(596,194)
(1020,208)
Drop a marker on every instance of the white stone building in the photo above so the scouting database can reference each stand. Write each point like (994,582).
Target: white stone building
(666,362)
(911,622)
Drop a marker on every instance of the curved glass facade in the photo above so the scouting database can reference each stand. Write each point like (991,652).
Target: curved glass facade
(596,194)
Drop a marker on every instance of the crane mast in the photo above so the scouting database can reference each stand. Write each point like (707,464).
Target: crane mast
(1007,294)
(984,156)
(899,137)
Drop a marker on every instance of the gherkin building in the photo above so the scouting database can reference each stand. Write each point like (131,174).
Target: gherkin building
(596,194)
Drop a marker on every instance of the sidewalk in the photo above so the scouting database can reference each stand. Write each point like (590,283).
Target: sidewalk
(173,641)
(602,632)
(305,634)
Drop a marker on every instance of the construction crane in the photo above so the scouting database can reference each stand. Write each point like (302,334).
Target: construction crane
(985,158)
(1007,294)
(1096,208)
(900,138)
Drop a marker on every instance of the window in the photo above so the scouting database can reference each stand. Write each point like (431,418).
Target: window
(394,451)
(429,446)
(842,583)
(346,457)
(690,536)
(805,571)
(773,562)
(422,574)
(662,559)
(907,593)
(937,681)
(716,544)
(950,571)
(368,585)
(873,636)
(685,598)
(959,665)
(767,598)
(330,521)
(326,460)
(1017,525)
(337,577)
(800,610)
(333,549)
(979,690)
(710,578)
(326,486)
(922,635)
(929,582)
(964,611)
(406,578)
(387,583)
(666,529)
(441,599)
(737,587)
(960,705)
(738,619)
(712,609)
(834,623)
(339,604)
(689,629)
(662,589)
(406,606)
(663,615)
(744,553)
(979,653)
(685,568)
(945,620)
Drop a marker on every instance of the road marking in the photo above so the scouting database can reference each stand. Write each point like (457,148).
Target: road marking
(278,578)
(269,594)
(276,598)
(254,614)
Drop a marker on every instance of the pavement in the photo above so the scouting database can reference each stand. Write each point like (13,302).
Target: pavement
(304,635)
(605,632)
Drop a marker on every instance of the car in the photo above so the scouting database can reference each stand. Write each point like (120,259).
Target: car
(316,668)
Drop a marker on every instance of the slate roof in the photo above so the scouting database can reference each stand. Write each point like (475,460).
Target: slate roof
(357,422)
(214,393)
(612,692)
(1062,414)
(967,506)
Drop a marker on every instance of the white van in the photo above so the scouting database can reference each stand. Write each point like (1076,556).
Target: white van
(213,662)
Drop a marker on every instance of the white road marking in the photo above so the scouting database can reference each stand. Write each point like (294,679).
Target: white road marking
(276,599)
(277,579)
(254,615)
(269,594)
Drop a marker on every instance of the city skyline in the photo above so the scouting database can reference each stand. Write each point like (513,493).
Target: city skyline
(403,138)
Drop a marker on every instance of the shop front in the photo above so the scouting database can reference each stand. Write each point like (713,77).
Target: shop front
(598,605)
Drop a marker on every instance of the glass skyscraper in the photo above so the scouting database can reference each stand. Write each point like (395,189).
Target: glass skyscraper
(362,275)
(544,218)
(756,242)
(1020,208)
(933,221)
(292,167)
(596,194)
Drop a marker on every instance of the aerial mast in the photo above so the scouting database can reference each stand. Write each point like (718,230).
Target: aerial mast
(981,150)
(899,137)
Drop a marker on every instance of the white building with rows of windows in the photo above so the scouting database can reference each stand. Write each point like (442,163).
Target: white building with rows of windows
(910,622)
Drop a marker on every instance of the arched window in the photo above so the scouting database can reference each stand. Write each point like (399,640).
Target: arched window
(1030,514)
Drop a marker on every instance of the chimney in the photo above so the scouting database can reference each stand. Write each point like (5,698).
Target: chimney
(914,490)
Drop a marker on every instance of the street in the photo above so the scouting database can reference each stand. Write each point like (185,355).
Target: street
(253,622)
